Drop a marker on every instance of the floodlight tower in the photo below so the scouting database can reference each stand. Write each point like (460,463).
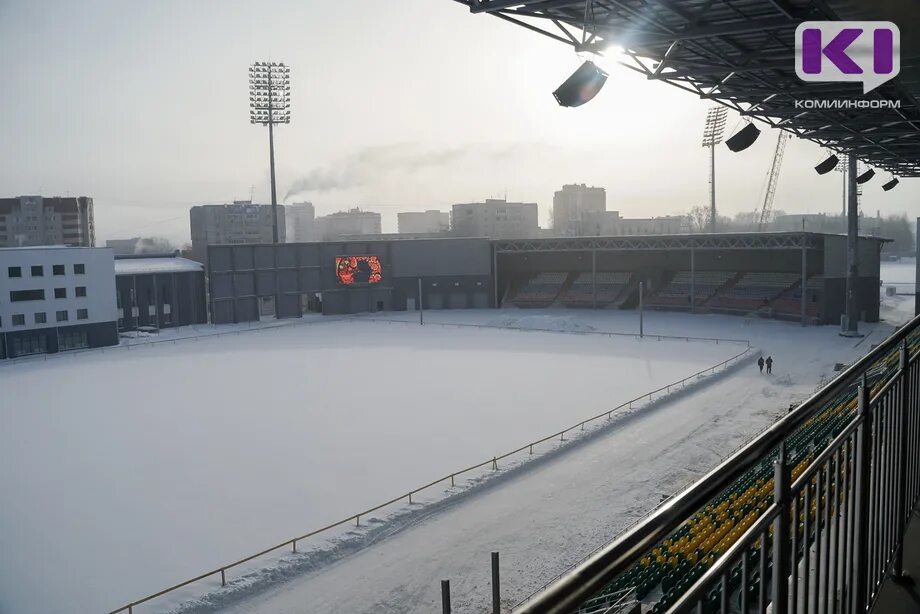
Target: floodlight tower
(712,136)
(842,169)
(270,104)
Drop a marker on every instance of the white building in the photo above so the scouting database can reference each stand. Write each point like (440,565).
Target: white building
(576,208)
(300,222)
(347,223)
(427,222)
(495,219)
(56,298)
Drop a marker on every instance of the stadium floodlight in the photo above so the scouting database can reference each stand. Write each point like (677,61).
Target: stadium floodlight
(712,136)
(744,138)
(890,185)
(270,104)
(827,165)
(869,174)
(582,86)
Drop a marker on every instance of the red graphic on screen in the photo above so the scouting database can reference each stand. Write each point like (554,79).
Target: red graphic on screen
(357,270)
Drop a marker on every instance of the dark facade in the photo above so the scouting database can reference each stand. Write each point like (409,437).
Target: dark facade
(159,292)
(248,282)
(58,339)
(252,281)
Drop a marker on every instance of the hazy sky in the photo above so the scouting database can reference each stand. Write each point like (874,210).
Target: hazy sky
(401,105)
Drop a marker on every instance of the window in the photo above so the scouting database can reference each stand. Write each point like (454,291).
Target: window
(60,293)
(38,270)
(79,269)
(14,271)
(62,316)
(72,340)
(30,344)
(80,291)
(58,269)
(19,319)
(41,318)
(82,314)
(18,296)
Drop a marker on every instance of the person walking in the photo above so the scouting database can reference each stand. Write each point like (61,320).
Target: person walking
(769,364)
(760,363)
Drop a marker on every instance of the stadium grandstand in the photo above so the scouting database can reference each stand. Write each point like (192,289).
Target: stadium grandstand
(811,515)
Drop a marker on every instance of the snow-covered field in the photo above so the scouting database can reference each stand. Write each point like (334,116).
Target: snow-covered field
(128,470)
(902,276)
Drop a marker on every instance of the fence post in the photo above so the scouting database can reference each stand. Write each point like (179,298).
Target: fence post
(496,590)
(897,565)
(223,578)
(294,546)
(861,528)
(445,596)
(781,563)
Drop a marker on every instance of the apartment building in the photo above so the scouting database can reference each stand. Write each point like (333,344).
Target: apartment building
(495,219)
(576,208)
(423,222)
(38,220)
(240,222)
(347,223)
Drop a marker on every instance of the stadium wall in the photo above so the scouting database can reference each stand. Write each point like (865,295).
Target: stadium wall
(247,282)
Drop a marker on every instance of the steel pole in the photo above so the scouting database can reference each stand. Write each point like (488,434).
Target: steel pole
(804,278)
(901,516)
(861,521)
(852,253)
(782,497)
(712,188)
(641,310)
(692,280)
(445,596)
(421,315)
(496,586)
(271,160)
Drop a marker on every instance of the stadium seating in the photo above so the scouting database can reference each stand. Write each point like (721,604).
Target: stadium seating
(790,301)
(672,566)
(612,289)
(752,291)
(677,292)
(541,290)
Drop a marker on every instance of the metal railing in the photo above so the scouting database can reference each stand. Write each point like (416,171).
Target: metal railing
(808,517)
(528,329)
(493,463)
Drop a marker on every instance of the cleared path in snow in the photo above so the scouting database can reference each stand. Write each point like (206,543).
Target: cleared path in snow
(550,515)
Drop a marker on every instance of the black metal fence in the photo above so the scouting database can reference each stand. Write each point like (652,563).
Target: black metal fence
(809,517)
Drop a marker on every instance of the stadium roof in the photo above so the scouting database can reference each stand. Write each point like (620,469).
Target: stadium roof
(150,266)
(701,241)
(740,53)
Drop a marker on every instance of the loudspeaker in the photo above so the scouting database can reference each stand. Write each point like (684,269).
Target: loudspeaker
(582,86)
(869,174)
(890,184)
(828,165)
(744,138)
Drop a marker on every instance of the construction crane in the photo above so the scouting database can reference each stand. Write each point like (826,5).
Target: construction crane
(766,211)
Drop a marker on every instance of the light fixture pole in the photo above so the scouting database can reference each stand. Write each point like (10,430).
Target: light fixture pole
(712,136)
(270,104)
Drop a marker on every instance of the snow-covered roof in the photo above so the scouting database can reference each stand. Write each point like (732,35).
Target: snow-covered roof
(149,266)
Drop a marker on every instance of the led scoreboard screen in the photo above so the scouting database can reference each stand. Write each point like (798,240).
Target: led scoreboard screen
(351,270)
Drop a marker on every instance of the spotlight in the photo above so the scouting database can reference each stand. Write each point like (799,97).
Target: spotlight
(828,165)
(888,186)
(582,86)
(869,174)
(744,138)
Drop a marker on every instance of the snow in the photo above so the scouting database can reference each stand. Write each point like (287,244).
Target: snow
(133,468)
(149,266)
(901,275)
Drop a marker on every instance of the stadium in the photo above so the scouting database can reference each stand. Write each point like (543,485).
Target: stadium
(762,273)
(546,425)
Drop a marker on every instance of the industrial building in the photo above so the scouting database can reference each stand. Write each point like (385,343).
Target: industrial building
(240,222)
(159,291)
(495,219)
(798,276)
(55,299)
(37,220)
